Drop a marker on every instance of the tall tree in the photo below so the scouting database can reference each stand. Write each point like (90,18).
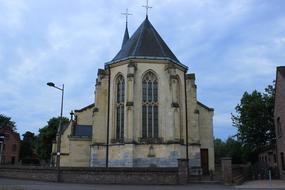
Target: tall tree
(254,119)
(5,120)
(27,145)
(229,148)
(46,135)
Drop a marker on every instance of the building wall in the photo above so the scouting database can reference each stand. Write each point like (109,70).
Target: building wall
(172,126)
(206,133)
(268,157)
(11,147)
(167,127)
(85,117)
(99,131)
(280,113)
(75,151)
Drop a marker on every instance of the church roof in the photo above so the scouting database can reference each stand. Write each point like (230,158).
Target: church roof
(146,43)
(126,36)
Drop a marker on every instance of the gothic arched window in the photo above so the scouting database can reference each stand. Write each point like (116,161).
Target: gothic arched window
(120,84)
(149,106)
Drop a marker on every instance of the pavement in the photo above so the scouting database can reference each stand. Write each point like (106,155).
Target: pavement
(276,184)
(13,184)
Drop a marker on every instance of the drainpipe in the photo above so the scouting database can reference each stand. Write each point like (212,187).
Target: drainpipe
(108,116)
(186,112)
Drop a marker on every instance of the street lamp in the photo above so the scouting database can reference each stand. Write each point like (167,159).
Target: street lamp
(51,84)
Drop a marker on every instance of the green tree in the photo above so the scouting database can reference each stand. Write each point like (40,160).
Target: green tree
(46,135)
(220,150)
(27,145)
(5,120)
(254,120)
(235,151)
(229,148)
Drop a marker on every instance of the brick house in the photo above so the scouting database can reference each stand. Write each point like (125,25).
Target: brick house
(279,117)
(9,145)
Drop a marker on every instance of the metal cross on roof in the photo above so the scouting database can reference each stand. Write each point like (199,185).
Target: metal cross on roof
(127,14)
(147,7)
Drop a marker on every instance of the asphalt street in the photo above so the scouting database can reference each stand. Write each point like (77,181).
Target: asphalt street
(12,184)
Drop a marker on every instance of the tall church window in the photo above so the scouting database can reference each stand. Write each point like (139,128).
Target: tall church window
(149,106)
(120,84)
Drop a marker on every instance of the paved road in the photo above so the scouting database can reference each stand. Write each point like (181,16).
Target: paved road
(11,184)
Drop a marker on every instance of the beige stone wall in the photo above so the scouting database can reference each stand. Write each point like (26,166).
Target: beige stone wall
(79,155)
(206,133)
(100,115)
(193,114)
(172,120)
(85,117)
(75,152)
(171,125)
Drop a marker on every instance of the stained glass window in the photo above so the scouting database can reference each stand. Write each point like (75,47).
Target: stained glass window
(120,82)
(149,106)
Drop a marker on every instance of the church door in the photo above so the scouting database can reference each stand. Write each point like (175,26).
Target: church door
(205,161)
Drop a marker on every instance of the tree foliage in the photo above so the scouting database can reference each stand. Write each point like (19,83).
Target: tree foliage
(27,145)
(230,148)
(46,135)
(7,121)
(254,120)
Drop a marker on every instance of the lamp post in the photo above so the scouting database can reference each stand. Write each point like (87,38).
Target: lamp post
(58,130)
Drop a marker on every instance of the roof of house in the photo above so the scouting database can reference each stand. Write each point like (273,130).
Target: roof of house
(204,106)
(145,43)
(85,108)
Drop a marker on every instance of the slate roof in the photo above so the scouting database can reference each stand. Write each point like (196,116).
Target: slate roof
(83,131)
(126,36)
(146,43)
(85,108)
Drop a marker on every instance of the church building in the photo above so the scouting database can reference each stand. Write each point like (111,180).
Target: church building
(145,112)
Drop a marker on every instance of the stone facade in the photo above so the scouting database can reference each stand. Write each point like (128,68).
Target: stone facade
(182,124)
(279,116)
(9,146)
(75,150)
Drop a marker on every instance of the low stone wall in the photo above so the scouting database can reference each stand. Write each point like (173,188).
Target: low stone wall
(154,176)
(30,173)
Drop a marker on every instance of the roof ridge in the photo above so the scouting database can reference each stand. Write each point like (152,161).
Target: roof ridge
(137,44)
(155,36)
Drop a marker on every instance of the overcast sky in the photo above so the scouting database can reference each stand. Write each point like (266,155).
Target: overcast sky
(231,45)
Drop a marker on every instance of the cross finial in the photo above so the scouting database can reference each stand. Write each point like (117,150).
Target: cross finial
(127,14)
(147,7)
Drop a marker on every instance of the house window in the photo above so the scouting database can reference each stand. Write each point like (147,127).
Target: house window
(282,160)
(149,106)
(120,85)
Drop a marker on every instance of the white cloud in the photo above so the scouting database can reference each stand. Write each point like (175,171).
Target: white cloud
(12,13)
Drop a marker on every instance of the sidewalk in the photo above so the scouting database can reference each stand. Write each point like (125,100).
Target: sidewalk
(262,184)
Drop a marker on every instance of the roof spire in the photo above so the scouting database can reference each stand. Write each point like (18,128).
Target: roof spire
(146,7)
(127,14)
(126,36)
